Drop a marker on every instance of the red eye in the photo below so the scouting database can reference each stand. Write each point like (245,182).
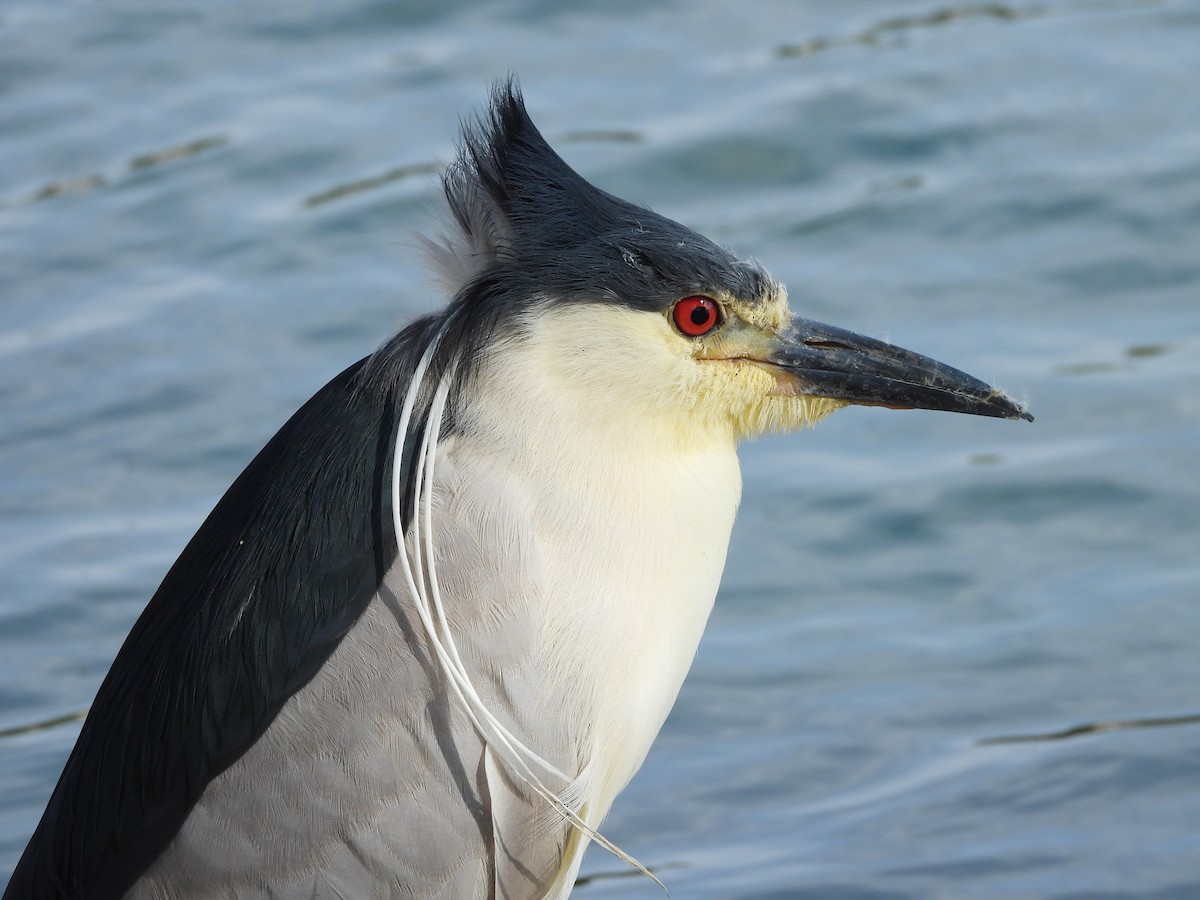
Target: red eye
(696,316)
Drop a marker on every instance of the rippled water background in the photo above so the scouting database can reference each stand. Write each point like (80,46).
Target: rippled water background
(206,211)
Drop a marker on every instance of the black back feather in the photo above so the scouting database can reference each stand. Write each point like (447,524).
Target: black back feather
(259,598)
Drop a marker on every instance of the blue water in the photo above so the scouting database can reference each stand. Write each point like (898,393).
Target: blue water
(207,210)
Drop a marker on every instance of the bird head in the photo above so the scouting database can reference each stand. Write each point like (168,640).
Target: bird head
(637,313)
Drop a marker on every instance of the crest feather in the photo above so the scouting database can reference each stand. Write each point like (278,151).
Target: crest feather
(504,171)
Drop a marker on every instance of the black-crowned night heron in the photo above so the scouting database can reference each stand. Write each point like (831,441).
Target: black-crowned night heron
(432,630)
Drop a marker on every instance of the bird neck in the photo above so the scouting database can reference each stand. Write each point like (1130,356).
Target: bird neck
(632,510)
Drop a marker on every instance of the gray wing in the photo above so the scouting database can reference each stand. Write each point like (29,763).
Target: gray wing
(372,781)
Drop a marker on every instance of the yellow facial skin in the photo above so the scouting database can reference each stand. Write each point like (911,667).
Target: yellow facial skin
(734,379)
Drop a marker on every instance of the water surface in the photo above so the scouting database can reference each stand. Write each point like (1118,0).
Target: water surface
(207,210)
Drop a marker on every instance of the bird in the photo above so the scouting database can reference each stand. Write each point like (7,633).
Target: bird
(424,640)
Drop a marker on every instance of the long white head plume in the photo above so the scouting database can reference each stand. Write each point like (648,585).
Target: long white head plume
(417,557)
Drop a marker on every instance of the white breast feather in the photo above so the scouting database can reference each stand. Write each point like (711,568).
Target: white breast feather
(632,504)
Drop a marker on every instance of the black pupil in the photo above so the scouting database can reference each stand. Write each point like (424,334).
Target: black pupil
(700,315)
